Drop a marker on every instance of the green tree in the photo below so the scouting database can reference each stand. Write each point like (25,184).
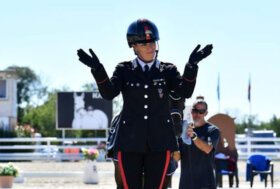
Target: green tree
(90,87)
(42,118)
(275,125)
(247,122)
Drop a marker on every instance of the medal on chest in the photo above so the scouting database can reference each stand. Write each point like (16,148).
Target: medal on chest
(160,92)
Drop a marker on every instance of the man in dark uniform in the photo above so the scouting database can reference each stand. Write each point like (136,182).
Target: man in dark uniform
(177,106)
(146,136)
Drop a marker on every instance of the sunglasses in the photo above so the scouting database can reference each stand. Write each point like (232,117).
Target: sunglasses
(194,110)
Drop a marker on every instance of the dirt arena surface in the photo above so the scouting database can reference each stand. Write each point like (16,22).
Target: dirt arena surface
(40,174)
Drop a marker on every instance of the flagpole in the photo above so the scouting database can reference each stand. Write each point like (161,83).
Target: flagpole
(250,107)
(218,92)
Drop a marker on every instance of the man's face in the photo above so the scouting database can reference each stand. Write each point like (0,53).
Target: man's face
(145,51)
(198,113)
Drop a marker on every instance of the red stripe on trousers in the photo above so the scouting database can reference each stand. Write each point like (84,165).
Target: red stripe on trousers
(165,168)
(121,169)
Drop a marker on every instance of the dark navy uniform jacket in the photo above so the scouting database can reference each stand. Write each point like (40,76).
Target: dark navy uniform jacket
(146,122)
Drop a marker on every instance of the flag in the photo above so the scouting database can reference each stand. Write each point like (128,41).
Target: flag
(218,87)
(249,89)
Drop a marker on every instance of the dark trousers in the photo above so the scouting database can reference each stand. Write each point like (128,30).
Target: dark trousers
(153,164)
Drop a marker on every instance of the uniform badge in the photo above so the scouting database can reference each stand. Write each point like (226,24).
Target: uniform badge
(160,92)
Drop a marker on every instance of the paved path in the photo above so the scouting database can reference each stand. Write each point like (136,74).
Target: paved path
(69,175)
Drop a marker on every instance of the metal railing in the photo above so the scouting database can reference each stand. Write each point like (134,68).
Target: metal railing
(57,149)
(60,149)
(254,145)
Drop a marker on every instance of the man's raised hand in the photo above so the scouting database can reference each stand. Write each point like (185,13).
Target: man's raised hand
(196,56)
(91,61)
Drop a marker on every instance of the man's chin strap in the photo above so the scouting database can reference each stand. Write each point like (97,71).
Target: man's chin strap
(157,50)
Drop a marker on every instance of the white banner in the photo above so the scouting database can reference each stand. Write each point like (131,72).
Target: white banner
(83,110)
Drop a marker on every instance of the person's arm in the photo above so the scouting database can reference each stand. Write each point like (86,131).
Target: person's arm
(184,85)
(202,145)
(108,88)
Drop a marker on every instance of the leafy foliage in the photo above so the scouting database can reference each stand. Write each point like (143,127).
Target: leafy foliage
(42,118)
(8,170)
(273,124)
(24,131)
(7,134)
(90,153)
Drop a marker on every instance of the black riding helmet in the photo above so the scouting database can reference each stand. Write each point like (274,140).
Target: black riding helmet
(142,31)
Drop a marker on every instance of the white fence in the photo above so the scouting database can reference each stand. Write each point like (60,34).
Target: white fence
(250,145)
(57,149)
(60,149)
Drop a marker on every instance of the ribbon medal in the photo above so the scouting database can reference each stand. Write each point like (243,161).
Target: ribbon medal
(160,92)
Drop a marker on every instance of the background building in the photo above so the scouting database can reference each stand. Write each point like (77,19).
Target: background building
(8,99)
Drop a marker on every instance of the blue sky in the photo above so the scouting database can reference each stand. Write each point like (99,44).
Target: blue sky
(44,35)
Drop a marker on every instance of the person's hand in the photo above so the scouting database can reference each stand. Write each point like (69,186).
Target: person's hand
(176,155)
(91,61)
(197,56)
(189,130)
